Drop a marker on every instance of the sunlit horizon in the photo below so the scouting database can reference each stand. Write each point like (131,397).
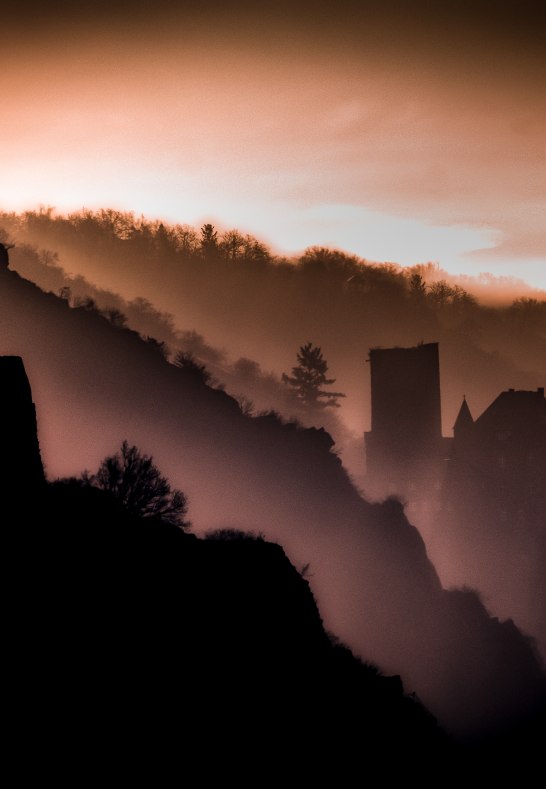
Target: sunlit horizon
(398,136)
(371,235)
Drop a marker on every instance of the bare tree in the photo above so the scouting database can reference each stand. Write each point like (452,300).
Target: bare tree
(232,244)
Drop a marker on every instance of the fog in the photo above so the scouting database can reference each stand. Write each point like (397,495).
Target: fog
(247,303)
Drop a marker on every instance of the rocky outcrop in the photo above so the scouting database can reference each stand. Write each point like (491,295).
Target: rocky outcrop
(20,462)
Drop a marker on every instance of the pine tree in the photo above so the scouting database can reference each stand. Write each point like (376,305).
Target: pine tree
(309,376)
(209,239)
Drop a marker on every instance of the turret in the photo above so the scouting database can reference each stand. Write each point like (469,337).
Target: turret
(464,422)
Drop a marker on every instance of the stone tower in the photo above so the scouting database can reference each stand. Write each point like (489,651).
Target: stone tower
(405,445)
(21,467)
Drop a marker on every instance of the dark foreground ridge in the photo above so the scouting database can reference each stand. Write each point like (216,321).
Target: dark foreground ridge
(138,634)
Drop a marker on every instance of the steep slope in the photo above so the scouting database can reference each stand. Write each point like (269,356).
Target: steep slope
(95,385)
(149,635)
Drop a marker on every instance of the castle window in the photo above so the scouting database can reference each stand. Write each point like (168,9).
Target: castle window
(502,460)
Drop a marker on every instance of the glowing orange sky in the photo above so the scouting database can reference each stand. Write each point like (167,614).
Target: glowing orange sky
(407,137)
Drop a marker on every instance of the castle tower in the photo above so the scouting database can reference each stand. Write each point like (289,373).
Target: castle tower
(20,463)
(405,443)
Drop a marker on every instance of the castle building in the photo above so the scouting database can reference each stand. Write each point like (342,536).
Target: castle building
(503,449)
(494,465)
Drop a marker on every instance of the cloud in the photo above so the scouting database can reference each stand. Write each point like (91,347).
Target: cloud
(429,113)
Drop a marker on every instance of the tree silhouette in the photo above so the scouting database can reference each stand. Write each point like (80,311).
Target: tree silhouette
(232,244)
(209,239)
(116,317)
(309,376)
(187,361)
(158,346)
(417,287)
(134,479)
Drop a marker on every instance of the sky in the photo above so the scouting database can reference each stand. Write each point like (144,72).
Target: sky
(407,132)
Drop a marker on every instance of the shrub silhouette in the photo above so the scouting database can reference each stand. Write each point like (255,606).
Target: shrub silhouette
(134,479)
(197,371)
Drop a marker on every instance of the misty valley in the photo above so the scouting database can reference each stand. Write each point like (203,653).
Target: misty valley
(333,560)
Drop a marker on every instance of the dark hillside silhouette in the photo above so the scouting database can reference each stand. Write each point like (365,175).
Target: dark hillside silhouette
(96,383)
(129,627)
(259,390)
(148,637)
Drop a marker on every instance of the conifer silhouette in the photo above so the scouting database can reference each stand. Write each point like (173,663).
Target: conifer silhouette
(309,376)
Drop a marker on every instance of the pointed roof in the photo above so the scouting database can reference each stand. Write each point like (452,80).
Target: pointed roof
(464,418)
